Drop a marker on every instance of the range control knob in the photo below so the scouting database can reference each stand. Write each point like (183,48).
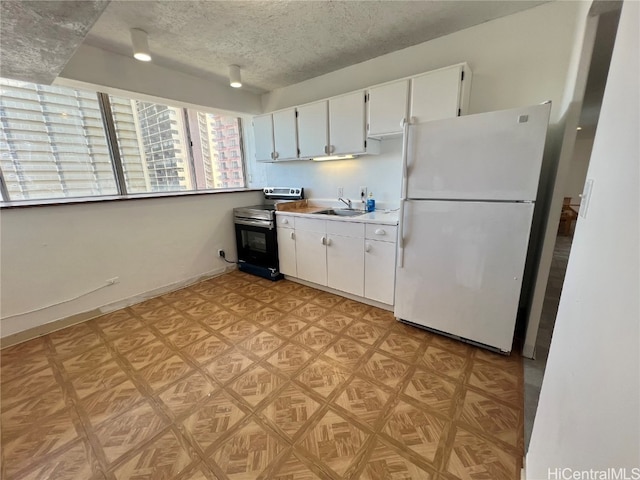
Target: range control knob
(266,190)
(271,190)
(291,191)
(297,190)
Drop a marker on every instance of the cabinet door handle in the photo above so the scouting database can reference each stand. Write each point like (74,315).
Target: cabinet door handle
(326,149)
(293,236)
(324,240)
(332,148)
(328,242)
(285,221)
(275,155)
(380,231)
(272,156)
(367,247)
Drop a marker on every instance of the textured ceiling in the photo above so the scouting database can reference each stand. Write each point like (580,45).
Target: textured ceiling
(278,43)
(38,37)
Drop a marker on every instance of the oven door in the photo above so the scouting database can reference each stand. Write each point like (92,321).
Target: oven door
(256,243)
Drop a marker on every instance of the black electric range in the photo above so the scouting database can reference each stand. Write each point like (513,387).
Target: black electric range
(256,233)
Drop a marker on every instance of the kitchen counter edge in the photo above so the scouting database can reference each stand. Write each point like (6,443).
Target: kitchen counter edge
(378,217)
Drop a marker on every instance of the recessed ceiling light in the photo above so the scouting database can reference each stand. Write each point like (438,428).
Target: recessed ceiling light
(579,128)
(140,45)
(234,76)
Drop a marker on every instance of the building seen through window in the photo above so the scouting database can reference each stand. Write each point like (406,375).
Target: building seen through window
(53,144)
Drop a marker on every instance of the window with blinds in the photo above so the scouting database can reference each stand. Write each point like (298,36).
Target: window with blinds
(54,143)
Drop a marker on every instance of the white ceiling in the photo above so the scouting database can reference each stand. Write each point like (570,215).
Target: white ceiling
(279,43)
(38,38)
(276,43)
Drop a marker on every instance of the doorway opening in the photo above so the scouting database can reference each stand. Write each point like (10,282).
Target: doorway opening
(608,14)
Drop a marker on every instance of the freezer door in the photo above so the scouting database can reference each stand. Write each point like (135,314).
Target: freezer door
(462,268)
(489,156)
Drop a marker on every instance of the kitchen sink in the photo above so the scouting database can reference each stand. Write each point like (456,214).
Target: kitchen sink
(341,212)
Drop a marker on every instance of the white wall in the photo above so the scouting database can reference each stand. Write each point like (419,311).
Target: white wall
(517,60)
(578,168)
(546,218)
(92,67)
(381,174)
(54,253)
(588,415)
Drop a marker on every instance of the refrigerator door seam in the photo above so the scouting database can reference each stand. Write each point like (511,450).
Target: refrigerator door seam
(467,200)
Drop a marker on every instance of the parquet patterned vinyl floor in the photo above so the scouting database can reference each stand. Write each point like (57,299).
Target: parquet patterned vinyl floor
(240,378)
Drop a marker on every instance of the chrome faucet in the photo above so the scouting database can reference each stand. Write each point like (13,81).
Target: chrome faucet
(347,202)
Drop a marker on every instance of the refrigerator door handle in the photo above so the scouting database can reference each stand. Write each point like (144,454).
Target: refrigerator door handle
(405,147)
(401,235)
(405,179)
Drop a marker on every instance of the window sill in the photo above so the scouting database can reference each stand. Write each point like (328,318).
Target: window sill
(118,198)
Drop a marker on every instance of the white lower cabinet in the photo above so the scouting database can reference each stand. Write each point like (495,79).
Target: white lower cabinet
(311,250)
(287,251)
(345,256)
(380,270)
(351,257)
(380,262)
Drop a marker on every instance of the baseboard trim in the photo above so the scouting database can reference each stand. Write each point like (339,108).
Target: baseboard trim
(59,324)
(350,296)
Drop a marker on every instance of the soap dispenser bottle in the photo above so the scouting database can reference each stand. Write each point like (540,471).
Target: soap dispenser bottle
(371,203)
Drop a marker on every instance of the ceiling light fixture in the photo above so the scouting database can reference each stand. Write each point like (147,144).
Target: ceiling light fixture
(579,128)
(234,76)
(140,45)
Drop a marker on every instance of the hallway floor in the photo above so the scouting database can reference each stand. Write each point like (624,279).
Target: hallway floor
(534,369)
(241,378)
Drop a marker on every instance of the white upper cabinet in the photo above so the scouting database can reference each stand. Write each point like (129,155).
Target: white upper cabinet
(437,95)
(354,123)
(387,108)
(276,136)
(263,137)
(285,138)
(313,129)
(347,124)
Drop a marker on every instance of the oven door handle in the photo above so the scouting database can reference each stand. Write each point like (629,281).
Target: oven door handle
(254,223)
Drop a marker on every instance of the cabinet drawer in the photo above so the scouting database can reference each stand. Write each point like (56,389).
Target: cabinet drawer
(284,221)
(384,233)
(310,224)
(346,229)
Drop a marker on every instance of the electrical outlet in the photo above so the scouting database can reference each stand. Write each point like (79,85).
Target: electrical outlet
(363,193)
(221,253)
(113,281)
(340,192)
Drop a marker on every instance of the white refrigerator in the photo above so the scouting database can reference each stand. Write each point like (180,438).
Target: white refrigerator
(468,196)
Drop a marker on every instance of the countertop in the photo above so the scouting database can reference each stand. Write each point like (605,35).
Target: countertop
(381,217)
